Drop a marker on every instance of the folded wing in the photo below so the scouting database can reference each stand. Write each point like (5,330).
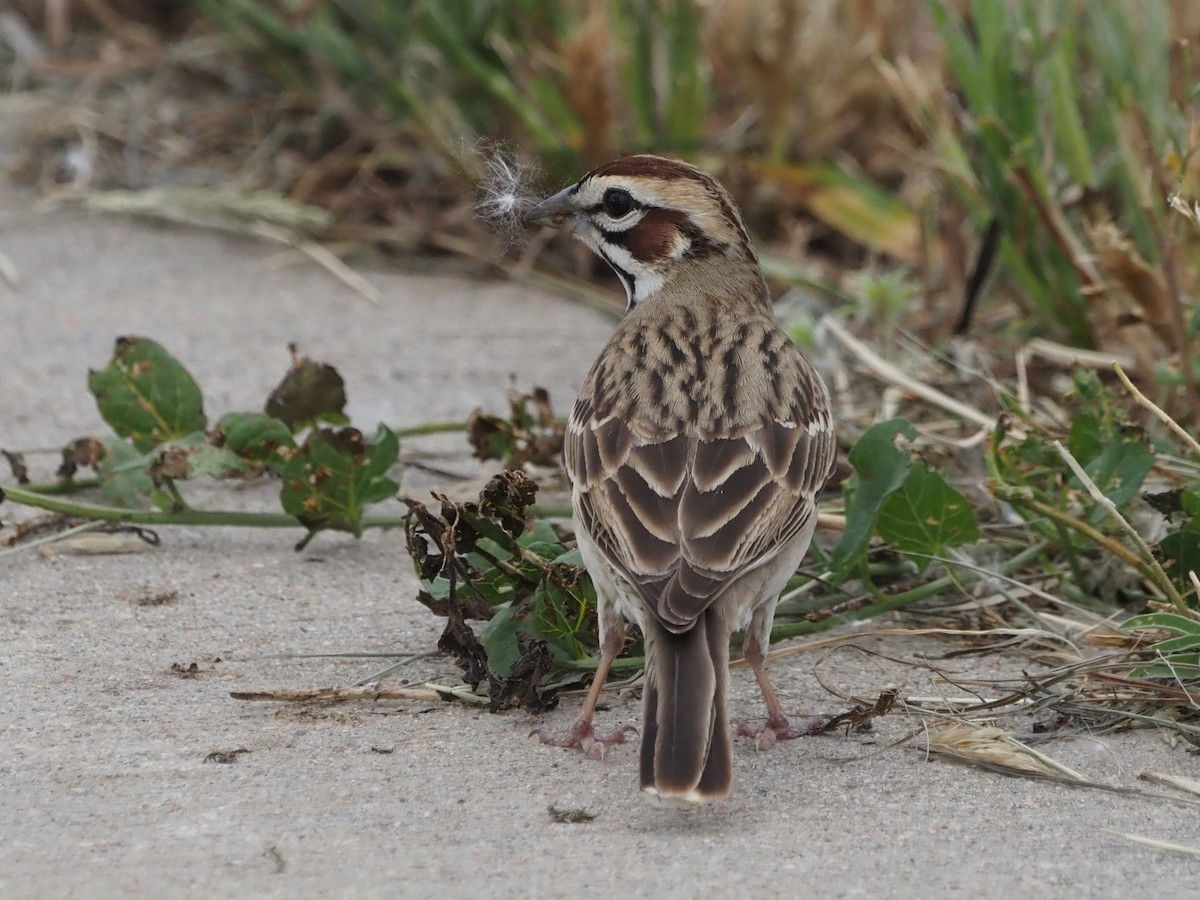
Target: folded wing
(682,516)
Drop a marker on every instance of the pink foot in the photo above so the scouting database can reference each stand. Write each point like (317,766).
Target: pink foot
(585,737)
(778,728)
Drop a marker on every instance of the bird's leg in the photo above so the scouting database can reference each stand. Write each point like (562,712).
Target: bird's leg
(777,726)
(583,734)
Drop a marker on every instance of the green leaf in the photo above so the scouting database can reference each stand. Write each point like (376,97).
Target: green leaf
(332,478)
(193,456)
(1084,441)
(926,515)
(257,438)
(1178,657)
(542,539)
(1181,668)
(1122,466)
(1166,621)
(1065,114)
(499,638)
(144,394)
(880,468)
(1179,553)
(124,479)
(562,617)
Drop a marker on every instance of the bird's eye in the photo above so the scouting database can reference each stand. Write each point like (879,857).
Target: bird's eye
(618,203)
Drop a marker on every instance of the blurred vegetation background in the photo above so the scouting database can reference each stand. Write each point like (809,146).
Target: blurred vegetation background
(861,137)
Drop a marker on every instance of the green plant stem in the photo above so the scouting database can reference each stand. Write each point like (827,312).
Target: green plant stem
(1018,497)
(430,428)
(543,511)
(95,511)
(620,664)
(56,488)
(904,598)
(1152,565)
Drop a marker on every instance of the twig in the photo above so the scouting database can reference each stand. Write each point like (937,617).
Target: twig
(893,375)
(1063,355)
(1161,576)
(374,691)
(1147,403)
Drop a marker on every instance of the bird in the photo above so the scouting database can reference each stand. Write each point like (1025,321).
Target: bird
(696,449)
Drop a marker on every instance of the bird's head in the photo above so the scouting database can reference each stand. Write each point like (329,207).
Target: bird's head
(647,216)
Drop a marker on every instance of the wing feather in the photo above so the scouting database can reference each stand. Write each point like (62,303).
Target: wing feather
(681,512)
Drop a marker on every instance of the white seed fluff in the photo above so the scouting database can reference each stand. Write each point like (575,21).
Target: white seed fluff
(507,190)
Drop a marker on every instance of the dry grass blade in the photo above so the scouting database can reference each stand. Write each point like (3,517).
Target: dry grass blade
(1191,785)
(107,544)
(1163,581)
(1061,354)
(325,258)
(1157,844)
(996,748)
(838,639)
(50,539)
(1147,403)
(259,213)
(894,376)
(212,207)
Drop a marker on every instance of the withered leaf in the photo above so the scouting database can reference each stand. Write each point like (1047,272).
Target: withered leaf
(225,756)
(85,452)
(185,671)
(310,392)
(569,816)
(472,607)
(506,497)
(531,434)
(860,716)
(16,462)
(460,641)
(1167,502)
(192,457)
(521,688)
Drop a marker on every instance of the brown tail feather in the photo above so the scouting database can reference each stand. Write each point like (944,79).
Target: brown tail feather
(687,751)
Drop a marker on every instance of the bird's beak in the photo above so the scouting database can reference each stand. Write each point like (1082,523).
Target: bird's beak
(553,210)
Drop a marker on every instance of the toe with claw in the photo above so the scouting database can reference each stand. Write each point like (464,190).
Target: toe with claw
(584,736)
(778,728)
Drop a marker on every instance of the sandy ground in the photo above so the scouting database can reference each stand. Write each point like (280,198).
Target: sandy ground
(102,747)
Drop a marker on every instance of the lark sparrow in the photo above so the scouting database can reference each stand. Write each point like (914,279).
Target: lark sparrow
(695,451)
